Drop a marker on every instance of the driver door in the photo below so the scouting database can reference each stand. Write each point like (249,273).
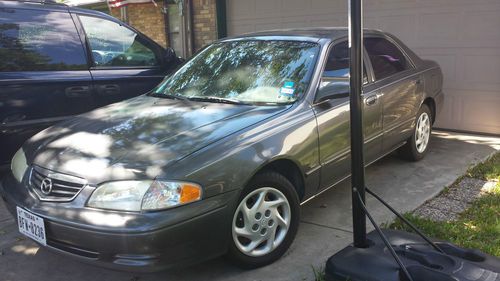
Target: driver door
(333,119)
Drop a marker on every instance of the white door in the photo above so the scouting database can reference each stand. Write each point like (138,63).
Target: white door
(463,36)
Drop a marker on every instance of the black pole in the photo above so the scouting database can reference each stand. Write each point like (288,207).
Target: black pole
(356,112)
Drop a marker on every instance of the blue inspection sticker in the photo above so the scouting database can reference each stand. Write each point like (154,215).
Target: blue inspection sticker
(288,89)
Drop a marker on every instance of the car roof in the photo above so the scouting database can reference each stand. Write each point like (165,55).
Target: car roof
(311,34)
(50,5)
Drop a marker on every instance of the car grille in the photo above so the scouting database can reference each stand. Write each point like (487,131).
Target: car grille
(63,188)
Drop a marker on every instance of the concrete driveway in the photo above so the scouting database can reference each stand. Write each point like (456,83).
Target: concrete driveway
(325,227)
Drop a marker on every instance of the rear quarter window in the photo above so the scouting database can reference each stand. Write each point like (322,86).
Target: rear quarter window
(35,40)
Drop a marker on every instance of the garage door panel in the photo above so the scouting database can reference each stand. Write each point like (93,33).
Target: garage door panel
(268,25)
(438,29)
(333,6)
(240,10)
(329,20)
(268,7)
(477,24)
(404,25)
(241,28)
(475,117)
(296,6)
(482,69)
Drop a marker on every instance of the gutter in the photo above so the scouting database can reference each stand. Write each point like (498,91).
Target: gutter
(221,18)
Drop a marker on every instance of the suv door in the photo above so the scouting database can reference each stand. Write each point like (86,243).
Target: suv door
(44,76)
(400,88)
(124,62)
(334,120)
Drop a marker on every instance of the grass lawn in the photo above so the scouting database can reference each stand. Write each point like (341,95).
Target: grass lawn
(479,226)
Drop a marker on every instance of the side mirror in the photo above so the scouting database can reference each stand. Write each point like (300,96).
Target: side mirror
(332,88)
(170,56)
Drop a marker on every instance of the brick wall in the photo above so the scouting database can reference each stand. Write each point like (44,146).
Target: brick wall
(204,22)
(147,18)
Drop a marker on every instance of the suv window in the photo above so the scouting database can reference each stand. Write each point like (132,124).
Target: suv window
(337,64)
(385,57)
(116,45)
(32,40)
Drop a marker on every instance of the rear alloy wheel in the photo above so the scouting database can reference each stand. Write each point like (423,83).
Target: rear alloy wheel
(265,221)
(418,144)
(422,132)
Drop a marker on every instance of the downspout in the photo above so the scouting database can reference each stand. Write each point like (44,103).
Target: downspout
(220,6)
(165,24)
(190,13)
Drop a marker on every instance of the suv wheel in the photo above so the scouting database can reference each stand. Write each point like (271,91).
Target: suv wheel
(265,221)
(417,145)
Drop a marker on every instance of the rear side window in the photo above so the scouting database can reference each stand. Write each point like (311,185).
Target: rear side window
(116,45)
(32,40)
(385,57)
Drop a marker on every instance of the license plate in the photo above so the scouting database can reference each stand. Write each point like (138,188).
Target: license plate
(31,226)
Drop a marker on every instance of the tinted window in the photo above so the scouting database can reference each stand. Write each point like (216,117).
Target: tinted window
(386,58)
(337,64)
(116,45)
(33,40)
(252,71)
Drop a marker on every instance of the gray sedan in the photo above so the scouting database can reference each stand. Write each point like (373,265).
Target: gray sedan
(218,158)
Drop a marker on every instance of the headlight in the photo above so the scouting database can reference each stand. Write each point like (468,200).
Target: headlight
(144,195)
(19,165)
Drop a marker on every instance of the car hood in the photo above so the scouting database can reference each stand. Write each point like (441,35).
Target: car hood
(138,138)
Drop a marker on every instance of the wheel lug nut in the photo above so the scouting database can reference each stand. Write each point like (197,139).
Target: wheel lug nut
(267,213)
(255,227)
(258,216)
(271,222)
(263,231)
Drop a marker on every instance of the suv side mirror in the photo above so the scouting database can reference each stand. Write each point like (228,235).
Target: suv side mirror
(171,57)
(332,88)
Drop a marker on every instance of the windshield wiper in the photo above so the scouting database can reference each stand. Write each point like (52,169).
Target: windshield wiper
(216,99)
(168,96)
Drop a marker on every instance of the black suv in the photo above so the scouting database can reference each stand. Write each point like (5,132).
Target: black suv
(57,61)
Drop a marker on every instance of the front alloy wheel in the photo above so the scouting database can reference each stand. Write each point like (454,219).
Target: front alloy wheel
(264,222)
(261,221)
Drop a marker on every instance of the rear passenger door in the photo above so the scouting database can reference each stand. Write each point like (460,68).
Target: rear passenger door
(124,63)
(399,87)
(44,75)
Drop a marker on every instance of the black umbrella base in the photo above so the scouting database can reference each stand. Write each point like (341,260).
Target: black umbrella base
(423,262)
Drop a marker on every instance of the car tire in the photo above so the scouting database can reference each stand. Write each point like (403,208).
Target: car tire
(418,144)
(258,236)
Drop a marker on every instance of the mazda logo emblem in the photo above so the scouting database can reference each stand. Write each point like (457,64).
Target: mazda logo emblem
(46,186)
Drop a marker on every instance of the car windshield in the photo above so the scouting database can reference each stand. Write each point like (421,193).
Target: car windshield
(247,71)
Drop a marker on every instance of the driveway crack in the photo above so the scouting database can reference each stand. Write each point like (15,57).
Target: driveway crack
(327,226)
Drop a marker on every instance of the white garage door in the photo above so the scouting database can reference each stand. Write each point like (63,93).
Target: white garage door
(463,36)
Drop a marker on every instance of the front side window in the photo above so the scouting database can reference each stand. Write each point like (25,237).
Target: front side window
(116,45)
(385,57)
(247,71)
(32,40)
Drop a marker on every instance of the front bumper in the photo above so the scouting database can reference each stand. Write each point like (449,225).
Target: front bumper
(130,241)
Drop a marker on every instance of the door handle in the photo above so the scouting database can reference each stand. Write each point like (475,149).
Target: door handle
(108,89)
(418,81)
(371,100)
(77,91)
